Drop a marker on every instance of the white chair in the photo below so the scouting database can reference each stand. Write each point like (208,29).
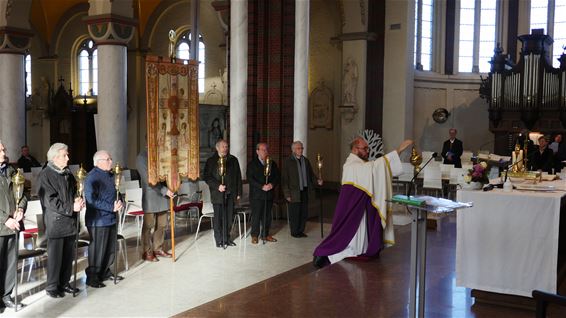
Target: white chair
(189,194)
(132,184)
(426,155)
(243,209)
(207,210)
(433,178)
(445,170)
(24,254)
(133,208)
(127,175)
(30,221)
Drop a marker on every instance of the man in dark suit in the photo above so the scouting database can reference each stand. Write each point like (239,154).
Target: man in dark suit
(261,192)
(27,161)
(231,190)
(543,158)
(298,184)
(452,150)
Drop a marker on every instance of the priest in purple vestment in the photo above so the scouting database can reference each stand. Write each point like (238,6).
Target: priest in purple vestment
(362,223)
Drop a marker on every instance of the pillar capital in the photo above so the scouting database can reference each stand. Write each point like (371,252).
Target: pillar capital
(14,40)
(110,29)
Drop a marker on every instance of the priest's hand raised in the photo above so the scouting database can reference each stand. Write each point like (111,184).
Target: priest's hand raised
(406,143)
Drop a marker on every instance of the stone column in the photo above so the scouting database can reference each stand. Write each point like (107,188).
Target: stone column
(111,34)
(13,43)
(239,81)
(301,84)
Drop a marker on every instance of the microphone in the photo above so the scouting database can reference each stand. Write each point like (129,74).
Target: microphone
(411,184)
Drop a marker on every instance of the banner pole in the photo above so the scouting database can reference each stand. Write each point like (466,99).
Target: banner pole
(172,224)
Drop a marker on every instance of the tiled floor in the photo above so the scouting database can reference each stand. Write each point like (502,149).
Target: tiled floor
(201,273)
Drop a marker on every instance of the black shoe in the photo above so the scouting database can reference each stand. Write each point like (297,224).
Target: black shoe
(111,277)
(219,244)
(70,289)
(54,294)
(320,261)
(9,303)
(231,243)
(96,284)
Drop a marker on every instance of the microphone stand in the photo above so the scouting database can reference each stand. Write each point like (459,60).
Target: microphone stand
(412,182)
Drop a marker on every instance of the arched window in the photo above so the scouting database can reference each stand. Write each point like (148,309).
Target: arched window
(183,52)
(550,15)
(423,34)
(87,57)
(28,74)
(477,34)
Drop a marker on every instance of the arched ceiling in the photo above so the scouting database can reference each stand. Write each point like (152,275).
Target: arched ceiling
(45,14)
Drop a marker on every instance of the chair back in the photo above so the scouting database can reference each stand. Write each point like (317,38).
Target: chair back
(127,175)
(426,155)
(33,208)
(133,200)
(457,175)
(432,176)
(205,197)
(41,238)
(408,172)
(445,170)
(132,184)
(189,192)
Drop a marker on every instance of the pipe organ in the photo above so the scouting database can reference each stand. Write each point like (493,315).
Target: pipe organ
(530,94)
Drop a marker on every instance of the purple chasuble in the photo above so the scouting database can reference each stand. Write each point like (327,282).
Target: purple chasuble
(350,208)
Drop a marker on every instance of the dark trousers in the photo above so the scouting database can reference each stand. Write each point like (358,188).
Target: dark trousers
(7,264)
(298,214)
(222,213)
(258,208)
(60,255)
(101,252)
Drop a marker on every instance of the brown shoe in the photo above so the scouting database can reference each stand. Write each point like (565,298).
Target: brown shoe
(149,257)
(162,253)
(254,239)
(270,238)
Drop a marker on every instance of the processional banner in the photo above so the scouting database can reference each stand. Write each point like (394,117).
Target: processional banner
(172,120)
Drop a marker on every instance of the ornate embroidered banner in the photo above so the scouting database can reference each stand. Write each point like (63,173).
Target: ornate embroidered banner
(172,121)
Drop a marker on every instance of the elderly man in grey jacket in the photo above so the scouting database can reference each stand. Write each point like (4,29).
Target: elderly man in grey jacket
(11,215)
(155,204)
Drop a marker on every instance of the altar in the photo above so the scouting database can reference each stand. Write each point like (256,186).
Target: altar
(510,242)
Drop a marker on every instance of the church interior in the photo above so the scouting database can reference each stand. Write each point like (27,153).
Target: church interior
(276,71)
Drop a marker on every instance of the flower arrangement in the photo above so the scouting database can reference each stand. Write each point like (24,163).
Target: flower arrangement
(478,173)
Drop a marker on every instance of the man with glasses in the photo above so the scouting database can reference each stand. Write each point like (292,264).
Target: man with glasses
(101,208)
(298,185)
(362,223)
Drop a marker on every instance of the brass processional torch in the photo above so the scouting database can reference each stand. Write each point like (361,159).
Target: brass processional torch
(18,181)
(266,173)
(80,176)
(117,170)
(222,173)
(319,168)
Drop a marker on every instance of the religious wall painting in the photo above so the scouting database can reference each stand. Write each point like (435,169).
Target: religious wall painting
(212,119)
(172,121)
(321,104)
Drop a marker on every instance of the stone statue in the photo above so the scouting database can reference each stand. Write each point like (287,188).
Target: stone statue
(350,82)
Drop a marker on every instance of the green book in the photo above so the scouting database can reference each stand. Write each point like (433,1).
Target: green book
(399,198)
